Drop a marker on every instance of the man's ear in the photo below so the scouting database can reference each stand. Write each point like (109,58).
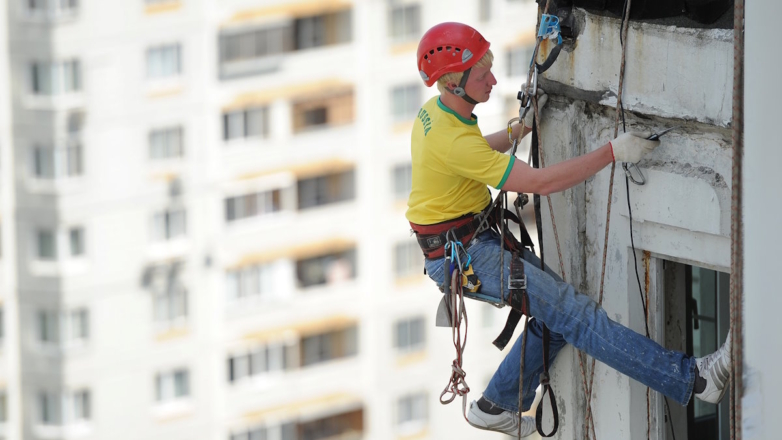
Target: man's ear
(451,85)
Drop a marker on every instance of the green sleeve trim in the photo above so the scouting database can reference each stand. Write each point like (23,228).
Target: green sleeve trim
(507,172)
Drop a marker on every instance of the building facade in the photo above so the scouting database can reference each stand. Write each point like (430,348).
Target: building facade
(203,230)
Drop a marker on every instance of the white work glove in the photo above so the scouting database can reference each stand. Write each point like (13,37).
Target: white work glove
(632,146)
(542,100)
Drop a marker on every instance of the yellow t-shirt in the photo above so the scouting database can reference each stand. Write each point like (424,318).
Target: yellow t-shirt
(452,164)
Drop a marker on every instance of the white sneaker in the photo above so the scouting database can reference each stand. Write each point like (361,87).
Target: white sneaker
(506,422)
(716,369)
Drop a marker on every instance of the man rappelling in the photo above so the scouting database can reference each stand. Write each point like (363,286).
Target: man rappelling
(449,205)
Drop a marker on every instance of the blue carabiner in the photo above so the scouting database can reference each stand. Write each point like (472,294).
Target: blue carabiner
(549,28)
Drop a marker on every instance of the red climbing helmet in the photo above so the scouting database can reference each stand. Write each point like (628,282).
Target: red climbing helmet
(449,47)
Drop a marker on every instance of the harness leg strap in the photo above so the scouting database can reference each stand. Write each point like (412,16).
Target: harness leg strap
(517,299)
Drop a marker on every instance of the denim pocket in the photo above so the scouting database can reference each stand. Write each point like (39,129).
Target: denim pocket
(434,268)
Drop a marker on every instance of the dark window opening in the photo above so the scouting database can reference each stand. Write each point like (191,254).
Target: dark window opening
(697,322)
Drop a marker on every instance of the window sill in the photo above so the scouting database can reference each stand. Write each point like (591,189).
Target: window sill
(49,18)
(164,412)
(244,143)
(72,430)
(59,186)
(413,430)
(169,249)
(411,357)
(54,349)
(61,102)
(165,86)
(54,268)
(258,66)
(171,331)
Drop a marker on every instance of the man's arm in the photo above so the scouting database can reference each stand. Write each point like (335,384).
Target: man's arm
(628,147)
(558,177)
(499,141)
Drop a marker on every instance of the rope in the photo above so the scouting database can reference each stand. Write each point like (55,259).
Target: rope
(736,244)
(626,22)
(457,386)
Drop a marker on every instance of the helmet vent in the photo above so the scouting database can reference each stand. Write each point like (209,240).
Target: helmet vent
(466,55)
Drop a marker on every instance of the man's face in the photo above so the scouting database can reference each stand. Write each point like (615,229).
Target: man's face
(480,83)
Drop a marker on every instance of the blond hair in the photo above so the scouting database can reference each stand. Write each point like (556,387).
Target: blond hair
(486,61)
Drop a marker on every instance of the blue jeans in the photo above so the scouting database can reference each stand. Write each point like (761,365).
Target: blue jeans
(573,318)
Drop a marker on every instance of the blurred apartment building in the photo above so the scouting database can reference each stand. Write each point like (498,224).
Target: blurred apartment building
(203,232)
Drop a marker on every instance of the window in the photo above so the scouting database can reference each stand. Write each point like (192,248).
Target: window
(519,60)
(409,334)
(3,407)
(261,360)
(246,123)
(165,143)
(326,111)
(164,61)
(254,43)
(403,181)
(64,408)
(56,78)
(252,205)
(326,269)
(55,328)
(345,425)
(169,224)
(76,239)
(49,409)
(411,409)
(484,10)
(328,346)
(254,281)
(408,259)
(327,189)
(52,8)
(697,319)
(405,101)
(172,385)
(405,22)
(58,162)
(46,241)
(171,306)
(322,30)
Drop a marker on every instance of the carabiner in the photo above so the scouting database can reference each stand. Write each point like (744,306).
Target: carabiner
(627,167)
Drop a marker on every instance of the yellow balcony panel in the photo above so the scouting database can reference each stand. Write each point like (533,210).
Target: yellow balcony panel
(301,329)
(312,169)
(421,435)
(412,358)
(172,334)
(291,10)
(163,7)
(305,410)
(299,252)
(300,91)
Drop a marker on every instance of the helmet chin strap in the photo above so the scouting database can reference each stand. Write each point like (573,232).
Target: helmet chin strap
(459,90)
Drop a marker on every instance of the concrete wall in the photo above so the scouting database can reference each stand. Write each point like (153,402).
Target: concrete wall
(674,76)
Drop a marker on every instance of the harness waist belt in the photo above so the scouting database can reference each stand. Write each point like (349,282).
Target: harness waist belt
(432,238)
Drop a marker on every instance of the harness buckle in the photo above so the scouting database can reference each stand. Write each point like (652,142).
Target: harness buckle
(544,378)
(519,283)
